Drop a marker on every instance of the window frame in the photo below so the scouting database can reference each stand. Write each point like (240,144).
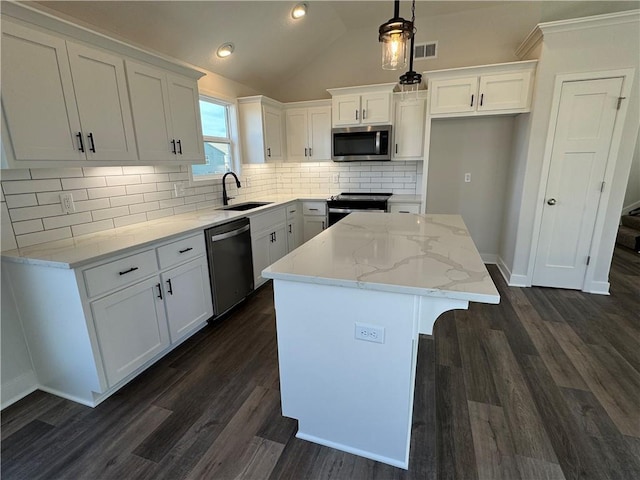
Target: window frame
(232,140)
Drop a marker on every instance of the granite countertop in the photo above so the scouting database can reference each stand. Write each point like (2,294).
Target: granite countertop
(78,251)
(429,255)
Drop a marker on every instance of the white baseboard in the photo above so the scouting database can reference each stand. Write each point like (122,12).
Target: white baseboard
(511,279)
(600,288)
(18,388)
(58,393)
(490,258)
(626,209)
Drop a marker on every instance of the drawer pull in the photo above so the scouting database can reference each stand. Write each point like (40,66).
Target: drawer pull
(314,209)
(185,250)
(403,211)
(170,287)
(159,291)
(132,269)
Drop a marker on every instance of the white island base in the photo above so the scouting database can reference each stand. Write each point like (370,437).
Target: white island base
(346,393)
(385,278)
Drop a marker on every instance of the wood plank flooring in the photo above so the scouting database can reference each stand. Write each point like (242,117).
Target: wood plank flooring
(545,385)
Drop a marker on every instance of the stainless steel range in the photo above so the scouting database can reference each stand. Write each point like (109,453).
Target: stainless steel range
(342,205)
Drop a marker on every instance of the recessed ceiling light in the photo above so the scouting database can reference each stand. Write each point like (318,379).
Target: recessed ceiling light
(225,50)
(299,11)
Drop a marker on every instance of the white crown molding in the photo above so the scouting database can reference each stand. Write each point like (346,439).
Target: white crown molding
(595,21)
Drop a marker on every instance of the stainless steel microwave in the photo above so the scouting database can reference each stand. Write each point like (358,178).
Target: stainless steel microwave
(353,144)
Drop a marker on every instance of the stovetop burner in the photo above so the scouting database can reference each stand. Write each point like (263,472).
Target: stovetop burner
(360,197)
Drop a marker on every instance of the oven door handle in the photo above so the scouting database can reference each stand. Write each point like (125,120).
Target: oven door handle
(351,210)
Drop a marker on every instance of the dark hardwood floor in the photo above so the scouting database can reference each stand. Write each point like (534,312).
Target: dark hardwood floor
(545,385)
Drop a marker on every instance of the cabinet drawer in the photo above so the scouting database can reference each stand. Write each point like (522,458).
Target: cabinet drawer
(267,220)
(181,250)
(120,272)
(314,208)
(404,208)
(292,210)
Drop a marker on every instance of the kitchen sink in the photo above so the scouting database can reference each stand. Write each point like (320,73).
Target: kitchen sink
(241,207)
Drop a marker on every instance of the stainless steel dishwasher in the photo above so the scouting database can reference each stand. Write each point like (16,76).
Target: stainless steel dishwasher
(230,264)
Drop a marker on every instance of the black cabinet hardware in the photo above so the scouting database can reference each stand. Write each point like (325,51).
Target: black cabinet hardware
(356,114)
(305,152)
(170,287)
(310,151)
(290,229)
(364,114)
(180,147)
(268,151)
(313,209)
(185,250)
(396,148)
(481,98)
(472,99)
(323,224)
(81,147)
(93,145)
(159,291)
(173,144)
(132,269)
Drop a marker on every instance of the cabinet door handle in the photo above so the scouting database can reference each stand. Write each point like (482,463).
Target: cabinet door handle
(159,291)
(356,114)
(275,238)
(305,152)
(173,144)
(81,147)
(472,100)
(481,98)
(364,114)
(170,287)
(268,151)
(290,229)
(323,224)
(396,148)
(180,147)
(185,250)
(132,269)
(310,151)
(93,145)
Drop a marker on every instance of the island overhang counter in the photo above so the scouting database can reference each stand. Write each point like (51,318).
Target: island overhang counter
(350,305)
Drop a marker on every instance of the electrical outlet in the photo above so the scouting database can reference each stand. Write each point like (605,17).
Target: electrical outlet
(178,189)
(66,200)
(369,333)
(467,178)
(335,178)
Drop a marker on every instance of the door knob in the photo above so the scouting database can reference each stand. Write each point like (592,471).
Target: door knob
(551,201)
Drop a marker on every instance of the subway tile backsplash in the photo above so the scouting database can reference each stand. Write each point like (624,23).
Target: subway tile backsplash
(111,197)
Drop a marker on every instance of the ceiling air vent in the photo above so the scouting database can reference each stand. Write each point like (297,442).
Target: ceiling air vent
(426,50)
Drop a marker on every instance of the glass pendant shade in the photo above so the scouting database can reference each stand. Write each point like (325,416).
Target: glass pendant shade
(394,36)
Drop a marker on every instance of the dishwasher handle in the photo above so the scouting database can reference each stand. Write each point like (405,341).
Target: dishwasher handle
(233,233)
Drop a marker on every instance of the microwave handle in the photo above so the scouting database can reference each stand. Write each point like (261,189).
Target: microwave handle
(378,134)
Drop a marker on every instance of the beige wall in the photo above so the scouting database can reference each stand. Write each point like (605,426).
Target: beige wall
(580,50)
(632,195)
(481,147)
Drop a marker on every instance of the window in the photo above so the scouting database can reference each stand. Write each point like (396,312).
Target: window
(218,140)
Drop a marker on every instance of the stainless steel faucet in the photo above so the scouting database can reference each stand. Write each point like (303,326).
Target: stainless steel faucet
(225,198)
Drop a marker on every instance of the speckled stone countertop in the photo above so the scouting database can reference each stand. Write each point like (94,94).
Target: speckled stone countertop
(429,255)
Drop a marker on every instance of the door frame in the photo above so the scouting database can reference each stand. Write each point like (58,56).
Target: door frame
(627,75)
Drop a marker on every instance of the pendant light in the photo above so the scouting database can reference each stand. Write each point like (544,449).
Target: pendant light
(394,35)
(410,81)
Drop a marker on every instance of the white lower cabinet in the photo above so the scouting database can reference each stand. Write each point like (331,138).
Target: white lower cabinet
(294,226)
(404,208)
(314,219)
(268,240)
(131,327)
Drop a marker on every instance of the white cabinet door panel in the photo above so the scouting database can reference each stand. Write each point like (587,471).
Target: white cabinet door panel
(409,129)
(297,141)
(151,114)
(504,91)
(188,297)
(131,327)
(185,118)
(313,226)
(260,252)
(319,120)
(345,110)
(103,103)
(454,95)
(273,133)
(278,248)
(376,108)
(37,96)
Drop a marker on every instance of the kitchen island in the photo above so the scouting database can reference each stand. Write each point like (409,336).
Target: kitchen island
(350,305)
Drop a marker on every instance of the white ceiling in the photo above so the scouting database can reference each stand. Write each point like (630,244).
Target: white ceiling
(270,47)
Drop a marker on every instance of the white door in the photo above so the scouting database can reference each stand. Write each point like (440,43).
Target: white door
(409,129)
(376,108)
(584,127)
(151,112)
(188,297)
(37,96)
(455,95)
(297,146)
(273,133)
(131,327)
(319,119)
(103,103)
(185,118)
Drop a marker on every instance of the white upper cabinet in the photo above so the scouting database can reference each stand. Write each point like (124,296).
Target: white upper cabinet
(64,102)
(365,105)
(408,128)
(103,102)
(486,90)
(166,115)
(261,129)
(308,133)
(67,99)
